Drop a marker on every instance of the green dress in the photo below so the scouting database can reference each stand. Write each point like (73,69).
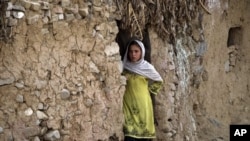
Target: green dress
(137,106)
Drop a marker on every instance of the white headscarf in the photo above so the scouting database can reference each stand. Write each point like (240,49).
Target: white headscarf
(141,67)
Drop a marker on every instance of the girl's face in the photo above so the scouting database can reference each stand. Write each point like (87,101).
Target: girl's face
(134,53)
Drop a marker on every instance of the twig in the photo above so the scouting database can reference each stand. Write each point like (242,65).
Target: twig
(202,5)
(134,20)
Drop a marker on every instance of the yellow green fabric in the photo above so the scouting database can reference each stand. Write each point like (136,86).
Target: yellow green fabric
(137,106)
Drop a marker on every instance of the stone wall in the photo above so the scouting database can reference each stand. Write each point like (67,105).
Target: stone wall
(60,74)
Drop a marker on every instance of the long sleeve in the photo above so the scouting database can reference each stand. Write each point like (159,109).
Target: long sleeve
(155,87)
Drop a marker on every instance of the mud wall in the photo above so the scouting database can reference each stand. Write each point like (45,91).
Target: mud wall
(60,74)
(223,99)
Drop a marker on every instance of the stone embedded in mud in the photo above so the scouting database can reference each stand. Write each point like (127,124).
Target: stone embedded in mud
(26,4)
(40,84)
(201,48)
(58,10)
(41,115)
(44,130)
(18,8)
(69,17)
(84,12)
(112,49)
(123,80)
(71,10)
(33,19)
(227,66)
(19,98)
(12,22)
(7,14)
(65,3)
(31,131)
(6,81)
(45,6)
(93,67)
(35,6)
(28,112)
(40,106)
(60,16)
(65,94)
(1,130)
(52,135)
(20,85)
(36,138)
(97,2)
(88,102)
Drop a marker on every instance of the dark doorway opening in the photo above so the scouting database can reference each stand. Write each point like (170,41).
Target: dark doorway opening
(234,36)
(124,37)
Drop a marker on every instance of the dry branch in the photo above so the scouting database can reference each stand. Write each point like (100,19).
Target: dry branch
(203,6)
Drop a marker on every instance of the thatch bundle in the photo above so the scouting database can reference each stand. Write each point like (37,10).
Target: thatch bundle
(170,18)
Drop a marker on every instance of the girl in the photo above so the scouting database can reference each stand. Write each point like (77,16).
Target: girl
(142,80)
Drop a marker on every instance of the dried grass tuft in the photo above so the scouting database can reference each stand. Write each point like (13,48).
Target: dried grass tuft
(170,18)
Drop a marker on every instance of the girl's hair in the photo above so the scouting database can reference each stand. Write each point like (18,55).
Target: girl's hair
(133,43)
